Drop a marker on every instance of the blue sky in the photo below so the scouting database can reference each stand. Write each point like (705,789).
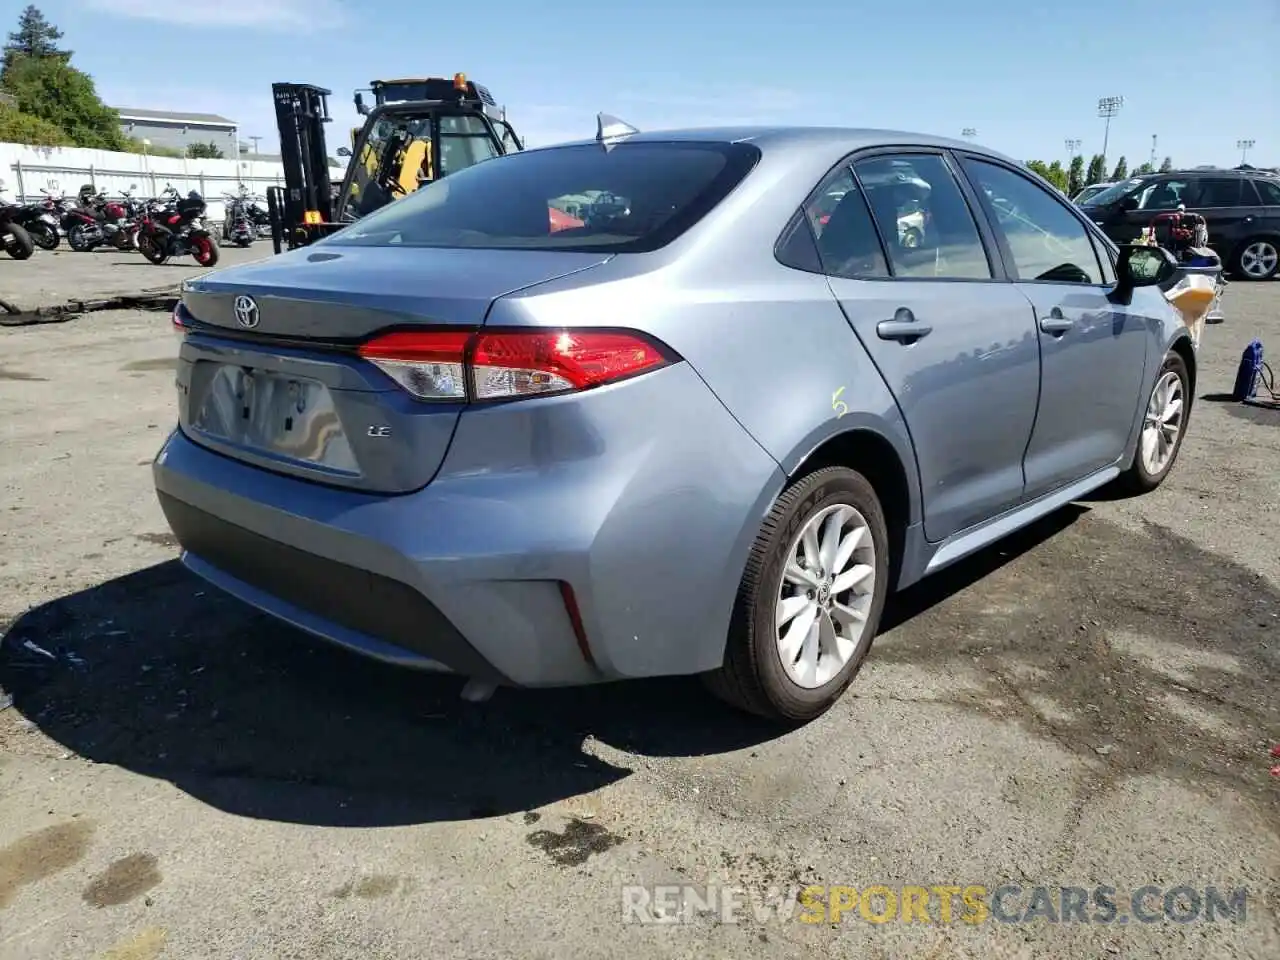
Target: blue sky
(1026,76)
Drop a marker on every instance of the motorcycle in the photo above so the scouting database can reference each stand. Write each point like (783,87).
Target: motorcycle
(175,227)
(82,223)
(120,220)
(38,219)
(237,223)
(13,237)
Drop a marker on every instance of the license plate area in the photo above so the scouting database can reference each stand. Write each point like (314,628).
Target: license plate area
(279,416)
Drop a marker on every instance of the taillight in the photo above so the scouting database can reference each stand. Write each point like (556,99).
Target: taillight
(180,319)
(502,364)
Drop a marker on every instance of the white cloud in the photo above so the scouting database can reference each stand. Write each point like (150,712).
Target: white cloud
(259,14)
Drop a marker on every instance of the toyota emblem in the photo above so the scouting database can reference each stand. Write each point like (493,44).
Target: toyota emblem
(246,312)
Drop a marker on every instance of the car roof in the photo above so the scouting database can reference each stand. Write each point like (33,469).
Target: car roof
(837,140)
(1205,172)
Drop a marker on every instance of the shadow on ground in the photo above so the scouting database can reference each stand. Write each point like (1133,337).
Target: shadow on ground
(1141,640)
(158,673)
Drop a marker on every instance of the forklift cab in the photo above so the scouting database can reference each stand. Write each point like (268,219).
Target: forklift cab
(419,131)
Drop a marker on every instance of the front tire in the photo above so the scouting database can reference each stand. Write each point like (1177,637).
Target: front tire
(810,599)
(19,244)
(153,247)
(1163,426)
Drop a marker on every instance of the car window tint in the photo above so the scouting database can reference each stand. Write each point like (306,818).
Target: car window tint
(846,237)
(1270,191)
(629,199)
(1047,242)
(1161,195)
(925,223)
(797,248)
(1218,192)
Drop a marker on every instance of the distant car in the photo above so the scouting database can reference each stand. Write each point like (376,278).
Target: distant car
(1092,190)
(707,435)
(1241,209)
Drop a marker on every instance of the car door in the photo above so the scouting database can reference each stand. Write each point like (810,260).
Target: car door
(1228,205)
(956,346)
(1093,352)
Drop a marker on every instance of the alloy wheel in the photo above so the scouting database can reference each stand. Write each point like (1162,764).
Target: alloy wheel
(1258,260)
(1163,423)
(825,595)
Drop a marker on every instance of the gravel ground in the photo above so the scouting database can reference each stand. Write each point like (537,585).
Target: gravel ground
(1088,703)
(53,277)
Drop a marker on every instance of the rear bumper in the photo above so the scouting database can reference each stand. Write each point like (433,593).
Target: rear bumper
(643,497)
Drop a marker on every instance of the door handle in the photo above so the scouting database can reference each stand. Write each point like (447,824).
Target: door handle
(903,327)
(1055,323)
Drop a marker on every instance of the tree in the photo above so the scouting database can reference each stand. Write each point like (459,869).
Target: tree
(53,90)
(1145,168)
(19,127)
(204,151)
(1166,165)
(35,37)
(1057,176)
(1075,175)
(1121,171)
(1097,172)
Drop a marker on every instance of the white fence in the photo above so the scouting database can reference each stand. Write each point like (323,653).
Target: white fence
(28,170)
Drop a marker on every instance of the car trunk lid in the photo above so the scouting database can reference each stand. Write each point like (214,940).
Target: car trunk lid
(274,380)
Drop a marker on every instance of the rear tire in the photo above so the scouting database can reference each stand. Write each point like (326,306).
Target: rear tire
(760,675)
(76,240)
(44,235)
(18,243)
(206,251)
(1163,428)
(1257,258)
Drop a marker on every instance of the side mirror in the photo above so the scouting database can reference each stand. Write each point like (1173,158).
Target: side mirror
(344,152)
(1141,265)
(360,107)
(1128,204)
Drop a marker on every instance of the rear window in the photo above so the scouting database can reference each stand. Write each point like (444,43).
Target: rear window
(629,199)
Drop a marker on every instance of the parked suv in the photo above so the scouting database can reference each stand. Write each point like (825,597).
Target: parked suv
(1241,208)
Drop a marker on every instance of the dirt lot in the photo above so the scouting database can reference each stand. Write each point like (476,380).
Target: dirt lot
(1090,703)
(54,277)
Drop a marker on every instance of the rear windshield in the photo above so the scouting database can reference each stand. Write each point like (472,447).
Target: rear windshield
(632,198)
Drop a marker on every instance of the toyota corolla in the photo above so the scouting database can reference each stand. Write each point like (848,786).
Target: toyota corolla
(703,431)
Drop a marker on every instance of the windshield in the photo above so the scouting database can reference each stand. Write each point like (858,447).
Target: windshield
(399,156)
(1092,191)
(631,198)
(1112,193)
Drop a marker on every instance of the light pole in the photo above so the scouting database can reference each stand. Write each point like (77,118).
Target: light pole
(255,143)
(968,133)
(1153,153)
(1108,107)
(1244,146)
(1072,146)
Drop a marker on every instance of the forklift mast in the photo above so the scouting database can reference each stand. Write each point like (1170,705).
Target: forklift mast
(305,203)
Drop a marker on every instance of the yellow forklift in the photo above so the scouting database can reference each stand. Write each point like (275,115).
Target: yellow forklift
(416,131)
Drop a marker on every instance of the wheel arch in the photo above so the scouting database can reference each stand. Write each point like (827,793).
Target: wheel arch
(893,477)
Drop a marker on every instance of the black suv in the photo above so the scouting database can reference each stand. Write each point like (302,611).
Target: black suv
(1240,207)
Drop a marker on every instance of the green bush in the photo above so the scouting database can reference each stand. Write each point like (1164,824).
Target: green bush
(19,127)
